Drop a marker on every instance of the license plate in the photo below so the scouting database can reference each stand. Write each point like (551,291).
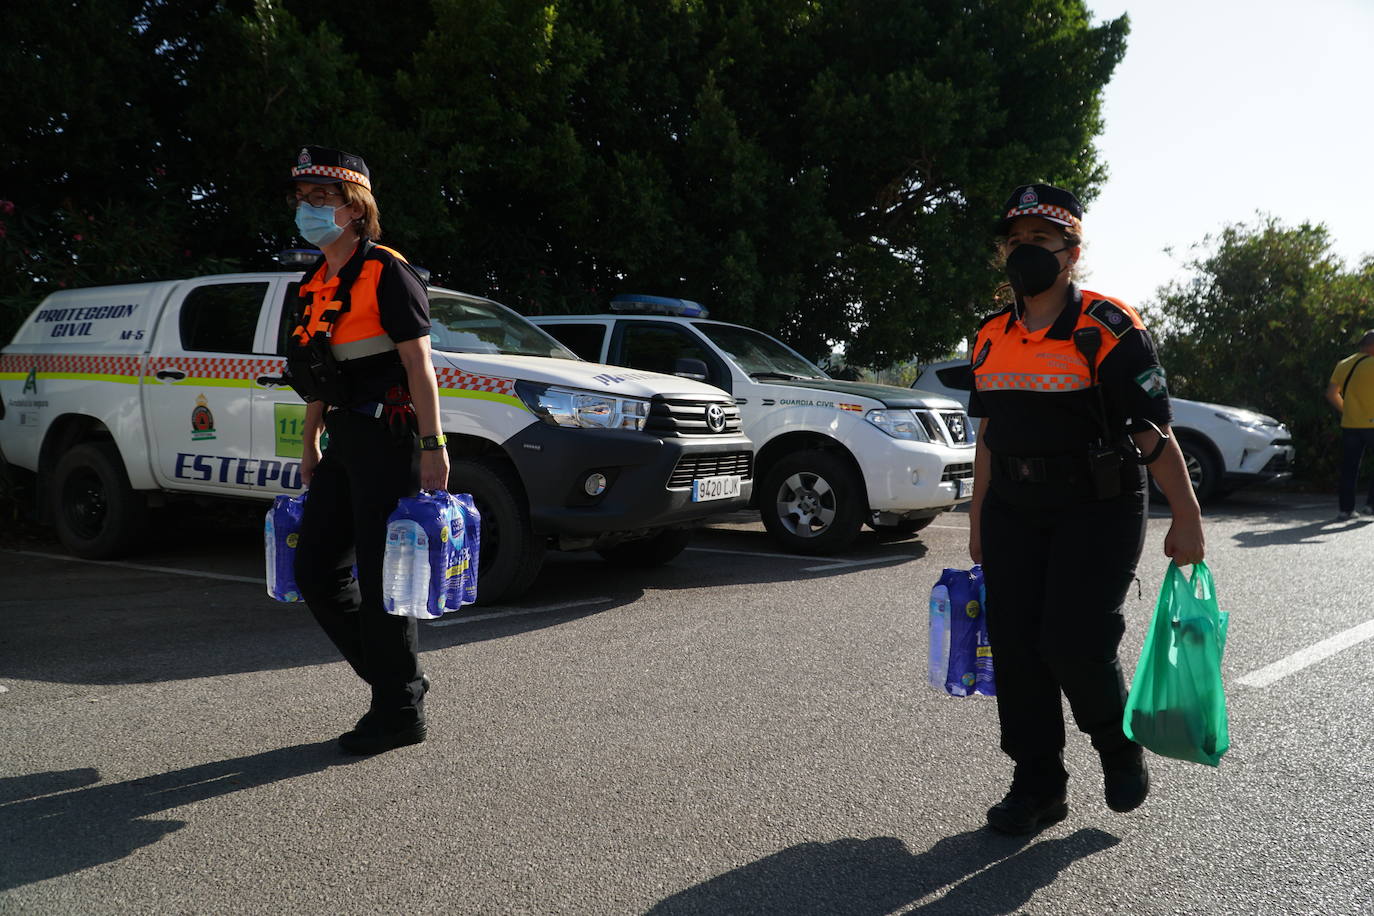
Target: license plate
(708,488)
(965,487)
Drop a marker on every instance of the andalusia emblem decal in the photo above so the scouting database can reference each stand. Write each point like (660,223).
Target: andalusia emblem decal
(202,421)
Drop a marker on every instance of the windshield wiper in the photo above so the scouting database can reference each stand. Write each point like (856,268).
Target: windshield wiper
(782,375)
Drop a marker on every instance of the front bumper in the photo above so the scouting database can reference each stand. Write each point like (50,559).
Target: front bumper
(905,477)
(649,479)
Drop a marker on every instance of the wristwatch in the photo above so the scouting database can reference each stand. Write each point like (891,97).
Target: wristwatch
(433,443)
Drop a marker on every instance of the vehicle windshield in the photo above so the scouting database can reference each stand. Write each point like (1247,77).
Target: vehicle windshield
(462,325)
(757,354)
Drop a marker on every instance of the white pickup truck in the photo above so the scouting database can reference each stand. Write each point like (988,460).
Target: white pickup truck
(832,455)
(1224,447)
(116,398)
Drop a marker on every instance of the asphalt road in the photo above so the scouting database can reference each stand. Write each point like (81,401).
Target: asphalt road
(741,732)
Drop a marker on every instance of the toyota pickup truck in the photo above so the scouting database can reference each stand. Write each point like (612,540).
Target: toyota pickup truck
(832,455)
(117,398)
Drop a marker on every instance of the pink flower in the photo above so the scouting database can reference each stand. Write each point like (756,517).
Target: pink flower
(6,207)
(78,237)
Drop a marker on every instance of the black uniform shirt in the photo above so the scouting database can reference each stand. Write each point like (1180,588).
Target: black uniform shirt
(1035,388)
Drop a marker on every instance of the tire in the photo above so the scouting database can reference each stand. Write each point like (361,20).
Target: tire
(1203,470)
(97,514)
(512,554)
(813,503)
(655,550)
(903,529)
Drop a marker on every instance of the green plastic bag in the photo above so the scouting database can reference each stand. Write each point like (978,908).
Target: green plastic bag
(1177,705)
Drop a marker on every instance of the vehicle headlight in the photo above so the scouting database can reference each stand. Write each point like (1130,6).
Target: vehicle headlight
(559,406)
(899,424)
(1247,419)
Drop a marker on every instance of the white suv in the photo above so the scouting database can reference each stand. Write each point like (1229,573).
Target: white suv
(1225,447)
(831,455)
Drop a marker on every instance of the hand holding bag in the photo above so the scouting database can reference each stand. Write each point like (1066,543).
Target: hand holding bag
(1177,705)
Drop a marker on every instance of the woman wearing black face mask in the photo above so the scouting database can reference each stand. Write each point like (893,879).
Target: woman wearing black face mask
(1074,404)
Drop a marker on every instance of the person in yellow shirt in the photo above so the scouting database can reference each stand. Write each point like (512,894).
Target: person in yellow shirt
(1352,393)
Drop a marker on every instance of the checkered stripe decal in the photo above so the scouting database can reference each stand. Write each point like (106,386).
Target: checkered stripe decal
(1026,381)
(456,378)
(1049,210)
(70,364)
(333,171)
(227,366)
(195,367)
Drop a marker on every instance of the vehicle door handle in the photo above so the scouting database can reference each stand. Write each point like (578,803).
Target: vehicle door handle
(174,374)
(271,380)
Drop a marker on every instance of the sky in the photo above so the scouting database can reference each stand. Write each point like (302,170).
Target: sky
(1223,108)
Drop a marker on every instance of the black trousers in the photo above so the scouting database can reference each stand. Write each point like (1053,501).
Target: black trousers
(1354,443)
(364,471)
(1056,580)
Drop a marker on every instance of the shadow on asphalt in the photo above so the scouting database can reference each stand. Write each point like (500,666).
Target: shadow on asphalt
(1305,533)
(878,876)
(44,835)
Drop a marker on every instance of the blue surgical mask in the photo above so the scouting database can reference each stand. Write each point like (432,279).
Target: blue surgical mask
(317,224)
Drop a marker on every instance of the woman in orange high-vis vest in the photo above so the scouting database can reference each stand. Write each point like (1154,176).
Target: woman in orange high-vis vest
(1073,402)
(366,315)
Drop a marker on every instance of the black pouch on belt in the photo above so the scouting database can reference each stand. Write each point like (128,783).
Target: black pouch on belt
(1104,467)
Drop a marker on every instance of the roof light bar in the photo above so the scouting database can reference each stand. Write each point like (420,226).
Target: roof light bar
(658,305)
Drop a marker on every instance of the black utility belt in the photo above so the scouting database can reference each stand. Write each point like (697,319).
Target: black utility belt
(1043,468)
(1097,471)
(371,409)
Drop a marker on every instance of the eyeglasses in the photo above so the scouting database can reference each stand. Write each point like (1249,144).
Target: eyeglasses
(316,198)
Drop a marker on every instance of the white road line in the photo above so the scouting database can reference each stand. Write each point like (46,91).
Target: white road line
(517,612)
(832,564)
(843,564)
(1309,656)
(747,553)
(197,574)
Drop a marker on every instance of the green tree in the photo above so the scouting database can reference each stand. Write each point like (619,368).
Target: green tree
(1264,315)
(824,170)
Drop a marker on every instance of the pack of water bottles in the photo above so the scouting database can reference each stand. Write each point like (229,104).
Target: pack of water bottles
(281,532)
(960,656)
(432,550)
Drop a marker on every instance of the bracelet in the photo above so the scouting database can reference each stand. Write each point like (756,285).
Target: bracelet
(433,443)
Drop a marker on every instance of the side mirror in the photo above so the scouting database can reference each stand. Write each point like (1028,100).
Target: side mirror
(960,378)
(694,369)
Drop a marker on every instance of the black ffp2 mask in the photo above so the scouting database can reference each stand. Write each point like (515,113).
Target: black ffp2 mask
(1032,269)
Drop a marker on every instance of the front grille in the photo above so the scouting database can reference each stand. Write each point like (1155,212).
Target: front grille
(1279,464)
(957,472)
(948,427)
(686,416)
(690,467)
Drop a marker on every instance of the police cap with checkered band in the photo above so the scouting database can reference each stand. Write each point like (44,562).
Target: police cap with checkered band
(1042,200)
(321,165)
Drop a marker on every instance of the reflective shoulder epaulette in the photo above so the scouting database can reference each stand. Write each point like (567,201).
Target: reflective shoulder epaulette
(1114,316)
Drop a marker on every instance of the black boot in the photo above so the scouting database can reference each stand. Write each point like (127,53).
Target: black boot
(1038,798)
(1125,777)
(376,731)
